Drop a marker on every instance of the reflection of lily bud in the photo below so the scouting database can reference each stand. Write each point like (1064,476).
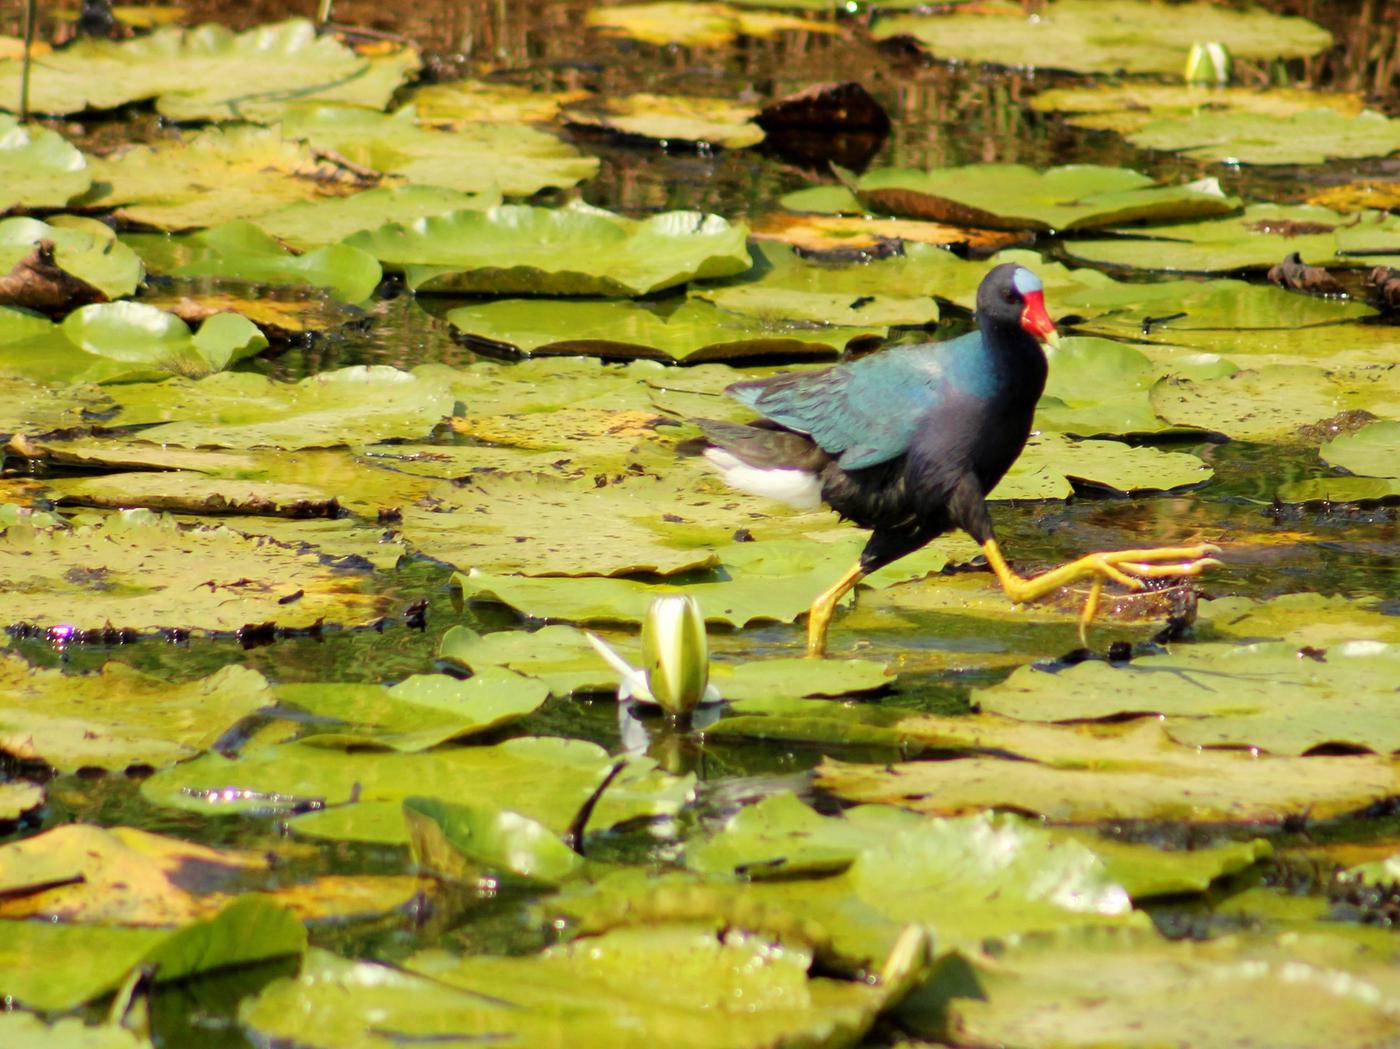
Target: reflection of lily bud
(1208,63)
(675,653)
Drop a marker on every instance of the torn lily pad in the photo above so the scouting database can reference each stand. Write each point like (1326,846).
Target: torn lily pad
(88,251)
(579,250)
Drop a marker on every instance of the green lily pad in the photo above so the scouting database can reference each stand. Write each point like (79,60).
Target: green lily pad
(1100,387)
(1336,490)
(55,967)
(670,118)
(471,843)
(419,712)
(672,983)
(1145,871)
(318,223)
(508,158)
(29,408)
(1305,620)
(545,779)
(776,582)
(141,337)
(682,331)
(18,798)
(1271,695)
(1129,988)
(1073,776)
(39,168)
(698,24)
(355,405)
(783,285)
(136,571)
(206,72)
(1013,196)
(1132,36)
(1278,402)
(1127,107)
(456,103)
(119,717)
(88,254)
(242,251)
(1373,451)
(1301,138)
(1051,461)
(515,249)
(1260,237)
(26,1030)
(166,185)
(1378,872)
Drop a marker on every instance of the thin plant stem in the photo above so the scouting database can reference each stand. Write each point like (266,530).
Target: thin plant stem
(323,12)
(29,15)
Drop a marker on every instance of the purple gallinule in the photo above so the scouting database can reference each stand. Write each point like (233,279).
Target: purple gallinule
(908,443)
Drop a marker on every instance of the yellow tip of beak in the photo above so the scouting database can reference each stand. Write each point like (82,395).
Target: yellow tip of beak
(1052,337)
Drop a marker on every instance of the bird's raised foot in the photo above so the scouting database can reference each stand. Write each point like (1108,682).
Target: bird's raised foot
(1130,568)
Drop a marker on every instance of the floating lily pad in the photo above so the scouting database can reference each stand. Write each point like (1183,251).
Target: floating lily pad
(455,103)
(419,712)
(1275,403)
(317,223)
(119,717)
(508,158)
(545,779)
(1073,776)
(515,249)
(845,235)
(1132,36)
(282,313)
(673,983)
(39,168)
(686,330)
(354,405)
(137,571)
(1373,451)
(1116,987)
(208,72)
(103,262)
(27,407)
(25,1029)
(166,185)
(1270,695)
(1336,490)
(1305,620)
(18,798)
(696,25)
(1050,461)
(1129,107)
(242,251)
(1013,196)
(670,118)
(472,843)
(1257,239)
(54,967)
(1302,138)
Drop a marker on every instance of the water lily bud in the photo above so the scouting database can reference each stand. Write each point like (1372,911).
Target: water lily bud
(676,653)
(1208,63)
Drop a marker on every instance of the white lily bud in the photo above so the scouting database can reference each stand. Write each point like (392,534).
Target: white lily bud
(1208,63)
(676,653)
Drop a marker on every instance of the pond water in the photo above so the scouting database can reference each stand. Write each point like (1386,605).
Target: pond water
(942,115)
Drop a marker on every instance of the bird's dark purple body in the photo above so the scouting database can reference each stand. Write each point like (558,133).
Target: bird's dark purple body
(907,442)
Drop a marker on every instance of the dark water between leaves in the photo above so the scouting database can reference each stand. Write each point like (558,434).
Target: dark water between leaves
(942,115)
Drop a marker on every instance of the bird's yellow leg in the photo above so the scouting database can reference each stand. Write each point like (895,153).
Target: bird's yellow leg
(1128,567)
(819,615)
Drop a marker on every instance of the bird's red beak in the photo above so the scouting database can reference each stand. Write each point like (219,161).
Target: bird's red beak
(1036,321)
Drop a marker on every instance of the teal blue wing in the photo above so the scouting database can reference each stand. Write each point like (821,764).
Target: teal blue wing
(865,412)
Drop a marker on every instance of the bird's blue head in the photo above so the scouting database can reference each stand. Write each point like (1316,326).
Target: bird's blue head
(1034,317)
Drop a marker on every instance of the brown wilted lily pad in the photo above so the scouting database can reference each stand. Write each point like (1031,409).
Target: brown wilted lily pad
(1296,275)
(37,282)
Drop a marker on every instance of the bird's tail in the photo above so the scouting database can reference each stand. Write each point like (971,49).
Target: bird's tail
(770,462)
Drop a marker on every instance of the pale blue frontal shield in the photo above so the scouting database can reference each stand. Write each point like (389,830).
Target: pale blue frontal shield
(1026,282)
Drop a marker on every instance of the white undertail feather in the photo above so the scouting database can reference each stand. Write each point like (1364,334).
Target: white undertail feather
(798,488)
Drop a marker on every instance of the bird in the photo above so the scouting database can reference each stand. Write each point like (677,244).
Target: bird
(909,441)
